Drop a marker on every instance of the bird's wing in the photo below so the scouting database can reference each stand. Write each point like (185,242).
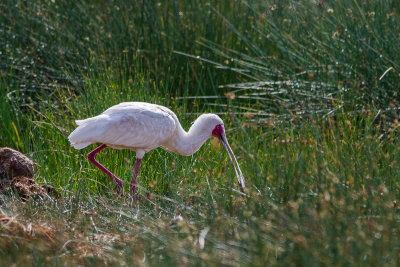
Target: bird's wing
(131,126)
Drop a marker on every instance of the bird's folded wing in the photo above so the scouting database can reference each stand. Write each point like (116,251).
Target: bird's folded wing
(126,128)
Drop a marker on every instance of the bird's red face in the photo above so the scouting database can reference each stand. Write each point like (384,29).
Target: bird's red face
(218,130)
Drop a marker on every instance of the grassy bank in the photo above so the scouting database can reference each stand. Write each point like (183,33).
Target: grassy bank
(308,92)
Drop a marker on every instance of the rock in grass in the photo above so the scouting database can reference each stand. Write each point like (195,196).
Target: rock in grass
(13,163)
(16,173)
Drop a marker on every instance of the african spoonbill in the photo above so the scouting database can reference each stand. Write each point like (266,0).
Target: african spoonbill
(142,127)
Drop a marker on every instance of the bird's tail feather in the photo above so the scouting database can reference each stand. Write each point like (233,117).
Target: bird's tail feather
(80,145)
(87,132)
(78,139)
(80,122)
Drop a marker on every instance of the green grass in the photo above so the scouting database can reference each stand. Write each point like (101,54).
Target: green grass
(317,140)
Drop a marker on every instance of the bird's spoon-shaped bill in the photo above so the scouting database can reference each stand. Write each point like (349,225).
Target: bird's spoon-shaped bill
(232,157)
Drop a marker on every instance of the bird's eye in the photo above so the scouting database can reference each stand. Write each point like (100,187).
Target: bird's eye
(218,127)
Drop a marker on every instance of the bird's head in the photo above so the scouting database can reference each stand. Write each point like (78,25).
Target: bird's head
(215,124)
(208,123)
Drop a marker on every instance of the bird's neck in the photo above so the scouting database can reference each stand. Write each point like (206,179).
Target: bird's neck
(187,143)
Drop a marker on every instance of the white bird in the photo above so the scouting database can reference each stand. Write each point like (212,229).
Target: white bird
(141,127)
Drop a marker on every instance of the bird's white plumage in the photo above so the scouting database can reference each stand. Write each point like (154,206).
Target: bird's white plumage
(133,125)
(142,127)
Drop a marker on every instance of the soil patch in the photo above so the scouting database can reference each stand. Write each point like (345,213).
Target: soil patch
(16,174)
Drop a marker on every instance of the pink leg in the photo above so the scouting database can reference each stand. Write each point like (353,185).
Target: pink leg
(132,186)
(91,157)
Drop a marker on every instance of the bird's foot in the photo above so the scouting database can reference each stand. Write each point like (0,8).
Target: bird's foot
(119,189)
(132,189)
